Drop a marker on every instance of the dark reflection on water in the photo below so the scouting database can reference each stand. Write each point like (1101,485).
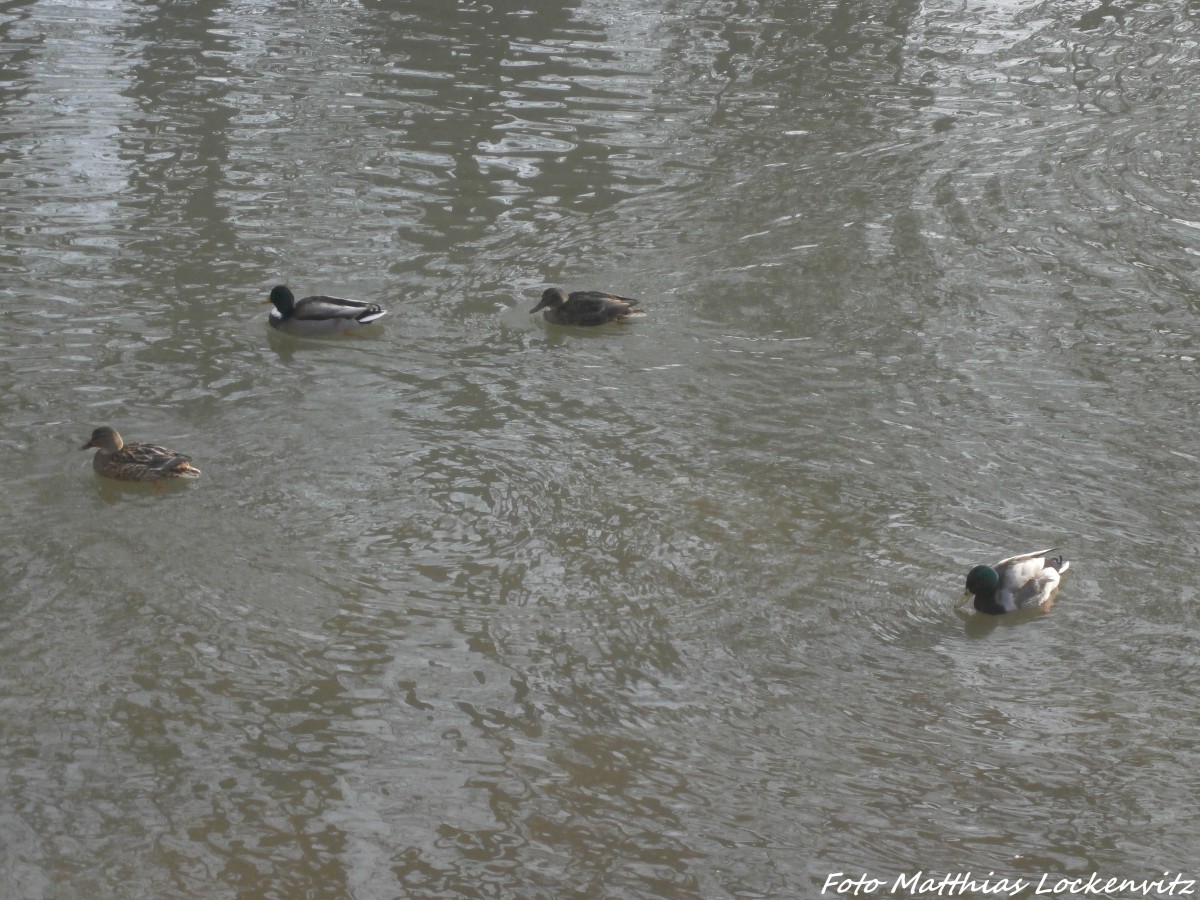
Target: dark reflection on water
(469,605)
(177,152)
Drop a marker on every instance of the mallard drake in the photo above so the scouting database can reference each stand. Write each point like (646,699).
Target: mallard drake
(585,307)
(1019,582)
(136,462)
(316,316)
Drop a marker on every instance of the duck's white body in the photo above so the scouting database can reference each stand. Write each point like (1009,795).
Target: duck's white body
(319,316)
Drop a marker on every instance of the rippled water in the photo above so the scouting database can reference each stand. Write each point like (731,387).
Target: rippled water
(474,606)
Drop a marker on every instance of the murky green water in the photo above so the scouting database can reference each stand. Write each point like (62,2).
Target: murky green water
(472,606)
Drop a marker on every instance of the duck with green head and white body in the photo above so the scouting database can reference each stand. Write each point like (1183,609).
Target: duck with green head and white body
(318,316)
(1028,581)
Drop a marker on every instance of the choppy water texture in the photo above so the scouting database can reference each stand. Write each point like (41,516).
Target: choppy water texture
(474,606)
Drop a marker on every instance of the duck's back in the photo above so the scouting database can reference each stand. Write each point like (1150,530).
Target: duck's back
(1029,580)
(144,462)
(594,308)
(322,315)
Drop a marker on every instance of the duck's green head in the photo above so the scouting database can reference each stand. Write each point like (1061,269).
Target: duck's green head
(283,298)
(982,580)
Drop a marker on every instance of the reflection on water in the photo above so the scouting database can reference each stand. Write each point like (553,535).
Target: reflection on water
(469,605)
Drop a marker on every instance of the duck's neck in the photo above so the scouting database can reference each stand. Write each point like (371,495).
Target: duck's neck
(285,303)
(987,603)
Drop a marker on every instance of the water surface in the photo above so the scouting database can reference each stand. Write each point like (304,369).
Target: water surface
(474,606)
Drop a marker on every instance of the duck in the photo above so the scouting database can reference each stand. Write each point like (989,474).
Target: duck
(1028,581)
(585,307)
(136,462)
(318,315)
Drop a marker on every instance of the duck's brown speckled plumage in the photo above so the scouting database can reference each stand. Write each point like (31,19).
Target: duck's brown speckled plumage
(585,307)
(136,462)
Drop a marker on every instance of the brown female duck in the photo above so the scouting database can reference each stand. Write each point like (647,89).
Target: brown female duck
(136,462)
(585,307)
